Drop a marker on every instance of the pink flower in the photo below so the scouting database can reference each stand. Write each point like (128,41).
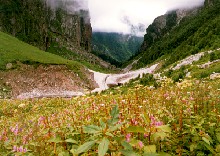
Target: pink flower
(15,130)
(128,137)
(166,95)
(191,98)
(146,135)
(19,149)
(40,120)
(160,123)
(134,122)
(14,148)
(25,139)
(140,144)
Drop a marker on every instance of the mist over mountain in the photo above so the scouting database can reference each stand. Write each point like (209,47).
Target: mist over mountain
(180,33)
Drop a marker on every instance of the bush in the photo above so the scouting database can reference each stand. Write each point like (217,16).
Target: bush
(213,57)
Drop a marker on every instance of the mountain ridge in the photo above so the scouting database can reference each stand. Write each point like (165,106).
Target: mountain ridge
(196,32)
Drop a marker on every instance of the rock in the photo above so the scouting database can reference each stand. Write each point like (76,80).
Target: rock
(215,76)
(9,66)
(188,74)
(112,84)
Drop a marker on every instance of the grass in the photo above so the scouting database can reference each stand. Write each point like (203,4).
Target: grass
(82,58)
(12,50)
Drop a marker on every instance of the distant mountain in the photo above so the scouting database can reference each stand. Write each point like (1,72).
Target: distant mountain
(180,33)
(115,47)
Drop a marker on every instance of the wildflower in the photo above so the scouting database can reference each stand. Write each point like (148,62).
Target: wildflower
(15,130)
(140,144)
(146,135)
(19,149)
(40,120)
(25,139)
(160,123)
(134,122)
(123,101)
(128,137)
(21,105)
(166,95)
(191,98)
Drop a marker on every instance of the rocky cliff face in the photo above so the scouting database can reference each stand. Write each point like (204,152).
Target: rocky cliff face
(39,24)
(163,24)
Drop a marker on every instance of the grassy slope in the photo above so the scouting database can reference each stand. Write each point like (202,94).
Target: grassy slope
(12,50)
(194,34)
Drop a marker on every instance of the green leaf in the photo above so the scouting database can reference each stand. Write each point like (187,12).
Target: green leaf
(210,148)
(150,149)
(103,147)
(128,153)
(159,136)
(206,140)
(55,139)
(109,134)
(217,148)
(218,137)
(70,140)
(164,128)
(163,154)
(63,154)
(192,147)
(91,129)
(111,129)
(114,116)
(151,154)
(126,145)
(135,129)
(115,112)
(85,147)
(102,124)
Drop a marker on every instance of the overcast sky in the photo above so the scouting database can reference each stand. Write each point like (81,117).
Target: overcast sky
(120,15)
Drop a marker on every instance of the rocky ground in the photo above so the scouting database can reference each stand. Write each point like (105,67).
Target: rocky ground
(45,81)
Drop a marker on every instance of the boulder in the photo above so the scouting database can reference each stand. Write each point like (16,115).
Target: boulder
(215,76)
(9,66)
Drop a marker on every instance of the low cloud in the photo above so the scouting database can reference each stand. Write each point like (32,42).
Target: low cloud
(131,16)
(72,6)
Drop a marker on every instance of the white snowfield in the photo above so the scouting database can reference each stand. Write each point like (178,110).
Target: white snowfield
(190,59)
(106,81)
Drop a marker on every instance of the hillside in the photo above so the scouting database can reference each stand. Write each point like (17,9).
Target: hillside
(41,23)
(54,28)
(114,47)
(24,68)
(181,33)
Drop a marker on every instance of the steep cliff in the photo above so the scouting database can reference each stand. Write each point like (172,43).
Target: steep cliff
(39,23)
(162,25)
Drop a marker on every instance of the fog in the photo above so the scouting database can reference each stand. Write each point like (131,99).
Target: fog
(72,6)
(132,16)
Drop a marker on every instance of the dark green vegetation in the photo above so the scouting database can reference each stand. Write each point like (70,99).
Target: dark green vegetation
(13,50)
(197,32)
(55,30)
(114,47)
(38,24)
